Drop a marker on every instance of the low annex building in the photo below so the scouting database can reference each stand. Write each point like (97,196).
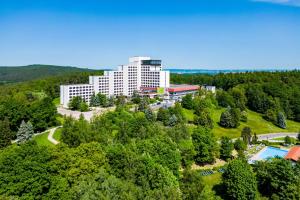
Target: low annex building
(293,154)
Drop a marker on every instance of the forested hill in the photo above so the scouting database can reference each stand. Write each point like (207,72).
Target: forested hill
(30,72)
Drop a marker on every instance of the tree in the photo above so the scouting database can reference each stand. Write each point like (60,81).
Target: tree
(246,135)
(187,101)
(298,136)
(281,120)
(144,104)
(239,98)
(278,179)
(25,132)
(187,152)
(230,118)
(288,140)
(240,145)
(244,117)
(94,101)
(102,100)
(205,146)
(83,107)
(43,114)
(173,120)
(191,185)
(163,115)
(5,133)
(254,139)
(75,102)
(204,119)
(224,99)
(226,148)
(135,97)
(239,181)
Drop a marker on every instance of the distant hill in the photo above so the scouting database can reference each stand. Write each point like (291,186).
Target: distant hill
(30,72)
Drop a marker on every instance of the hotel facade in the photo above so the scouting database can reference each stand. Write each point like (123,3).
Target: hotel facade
(141,72)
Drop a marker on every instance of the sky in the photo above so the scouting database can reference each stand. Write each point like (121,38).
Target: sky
(190,34)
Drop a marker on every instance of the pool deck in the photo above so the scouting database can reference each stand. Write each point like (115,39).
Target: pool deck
(258,157)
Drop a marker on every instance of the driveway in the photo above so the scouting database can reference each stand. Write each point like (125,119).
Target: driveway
(271,136)
(87,115)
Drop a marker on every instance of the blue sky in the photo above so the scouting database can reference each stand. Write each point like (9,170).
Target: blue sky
(207,34)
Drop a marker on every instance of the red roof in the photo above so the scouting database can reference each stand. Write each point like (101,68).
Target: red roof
(293,154)
(183,88)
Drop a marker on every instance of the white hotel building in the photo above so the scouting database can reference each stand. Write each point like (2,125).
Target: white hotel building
(141,72)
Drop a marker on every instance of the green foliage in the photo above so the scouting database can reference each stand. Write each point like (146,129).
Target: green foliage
(77,103)
(288,140)
(278,179)
(239,181)
(205,146)
(244,116)
(204,119)
(191,185)
(83,107)
(226,148)
(136,97)
(230,118)
(281,120)
(43,114)
(163,115)
(5,133)
(246,135)
(187,102)
(25,132)
(240,145)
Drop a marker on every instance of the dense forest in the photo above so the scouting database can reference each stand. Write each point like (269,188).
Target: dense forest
(30,72)
(146,154)
(263,92)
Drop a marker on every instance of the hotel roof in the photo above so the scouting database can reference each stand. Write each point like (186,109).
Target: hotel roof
(293,154)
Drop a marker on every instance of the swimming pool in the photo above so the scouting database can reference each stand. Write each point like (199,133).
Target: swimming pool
(269,152)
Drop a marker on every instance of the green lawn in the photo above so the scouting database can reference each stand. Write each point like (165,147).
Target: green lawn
(189,114)
(255,122)
(56,101)
(213,179)
(43,139)
(57,134)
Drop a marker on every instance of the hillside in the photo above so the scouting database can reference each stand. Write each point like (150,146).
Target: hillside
(30,72)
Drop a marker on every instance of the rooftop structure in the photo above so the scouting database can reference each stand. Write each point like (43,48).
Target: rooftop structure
(293,154)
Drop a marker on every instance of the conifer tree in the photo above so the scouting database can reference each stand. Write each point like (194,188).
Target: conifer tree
(5,133)
(25,132)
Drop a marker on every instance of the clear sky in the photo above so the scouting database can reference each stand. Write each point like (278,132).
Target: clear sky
(207,34)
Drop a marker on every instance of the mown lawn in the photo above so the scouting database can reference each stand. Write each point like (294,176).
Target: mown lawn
(56,101)
(57,134)
(255,121)
(213,179)
(43,139)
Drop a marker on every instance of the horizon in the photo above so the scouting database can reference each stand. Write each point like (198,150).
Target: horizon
(206,34)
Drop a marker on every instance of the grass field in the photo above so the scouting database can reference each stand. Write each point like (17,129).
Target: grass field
(57,134)
(56,101)
(43,139)
(255,121)
(212,180)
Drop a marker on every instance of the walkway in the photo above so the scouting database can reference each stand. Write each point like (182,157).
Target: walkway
(50,135)
(271,136)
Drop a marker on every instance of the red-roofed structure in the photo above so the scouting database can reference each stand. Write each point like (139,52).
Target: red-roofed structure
(293,154)
(183,88)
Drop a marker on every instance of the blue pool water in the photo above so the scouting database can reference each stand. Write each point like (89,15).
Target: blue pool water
(271,152)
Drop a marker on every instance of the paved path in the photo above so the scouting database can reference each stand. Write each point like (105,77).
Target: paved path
(271,136)
(87,115)
(50,135)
